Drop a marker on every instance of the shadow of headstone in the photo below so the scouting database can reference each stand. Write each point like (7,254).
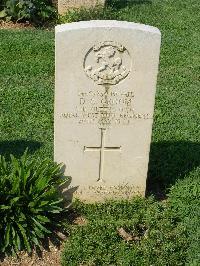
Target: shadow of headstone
(169,162)
(18,147)
(118,4)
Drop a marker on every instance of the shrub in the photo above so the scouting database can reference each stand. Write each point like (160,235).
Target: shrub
(29,202)
(92,13)
(36,11)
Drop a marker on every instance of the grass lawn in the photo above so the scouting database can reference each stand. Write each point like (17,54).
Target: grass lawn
(167,233)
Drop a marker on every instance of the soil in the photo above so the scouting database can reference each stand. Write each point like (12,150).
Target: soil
(12,25)
(47,258)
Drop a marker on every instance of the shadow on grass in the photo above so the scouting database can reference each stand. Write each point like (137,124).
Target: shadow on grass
(168,162)
(118,4)
(18,147)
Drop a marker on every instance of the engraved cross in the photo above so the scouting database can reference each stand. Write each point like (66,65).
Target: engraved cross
(102,149)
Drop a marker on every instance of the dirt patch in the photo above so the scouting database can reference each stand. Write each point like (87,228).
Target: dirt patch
(46,258)
(81,221)
(12,25)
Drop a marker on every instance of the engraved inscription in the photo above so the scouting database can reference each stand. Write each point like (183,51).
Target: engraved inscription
(107,63)
(105,109)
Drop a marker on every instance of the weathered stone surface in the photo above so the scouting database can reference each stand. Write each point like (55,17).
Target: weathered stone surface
(106,75)
(64,5)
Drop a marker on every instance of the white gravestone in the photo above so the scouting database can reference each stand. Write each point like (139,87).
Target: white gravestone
(64,5)
(106,75)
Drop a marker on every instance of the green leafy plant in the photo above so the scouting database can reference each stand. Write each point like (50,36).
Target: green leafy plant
(29,202)
(36,11)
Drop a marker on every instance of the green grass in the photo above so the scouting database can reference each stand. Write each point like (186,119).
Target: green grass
(26,119)
(26,91)
(166,233)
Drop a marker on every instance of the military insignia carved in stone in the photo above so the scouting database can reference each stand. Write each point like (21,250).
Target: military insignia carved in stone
(107,63)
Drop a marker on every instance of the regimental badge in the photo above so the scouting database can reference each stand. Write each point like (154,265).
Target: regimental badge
(107,63)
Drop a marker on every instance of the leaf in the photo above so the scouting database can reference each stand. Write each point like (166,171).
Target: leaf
(43,203)
(3,207)
(38,232)
(36,242)
(40,169)
(24,157)
(17,241)
(64,180)
(41,226)
(26,242)
(43,219)
(14,200)
(41,184)
(3,13)
(53,209)
(7,235)
(26,176)
(15,164)
(22,217)
(13,232)
(56,202)
(3,165)
(126,236)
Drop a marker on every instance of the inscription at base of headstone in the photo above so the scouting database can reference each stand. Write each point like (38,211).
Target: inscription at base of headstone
(106,74)
(65,5)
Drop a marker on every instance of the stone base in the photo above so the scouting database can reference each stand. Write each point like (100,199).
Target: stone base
(102,193)
(65,5)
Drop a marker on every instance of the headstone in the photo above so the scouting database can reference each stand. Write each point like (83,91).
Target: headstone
(64,5)
(106,75)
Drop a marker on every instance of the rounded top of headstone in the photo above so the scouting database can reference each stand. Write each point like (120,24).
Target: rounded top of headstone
(106,24)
